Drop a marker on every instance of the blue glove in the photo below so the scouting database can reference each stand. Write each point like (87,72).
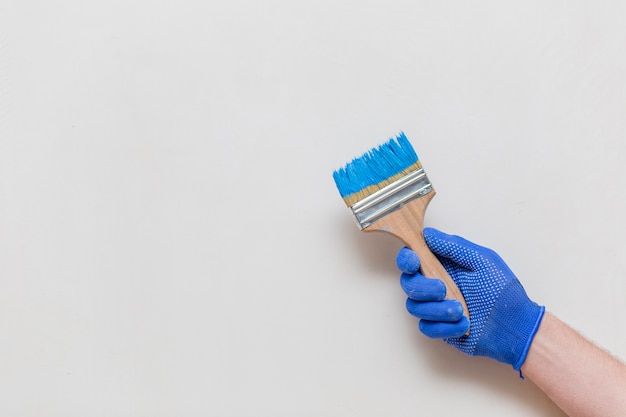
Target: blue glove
(503,319)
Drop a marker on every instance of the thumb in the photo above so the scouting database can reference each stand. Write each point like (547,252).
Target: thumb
(407,261)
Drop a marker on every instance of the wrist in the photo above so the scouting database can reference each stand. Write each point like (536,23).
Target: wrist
(580,377)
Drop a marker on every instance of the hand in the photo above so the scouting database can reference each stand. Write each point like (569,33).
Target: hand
(503,318)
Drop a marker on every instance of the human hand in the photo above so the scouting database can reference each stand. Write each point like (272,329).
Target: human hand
(503,318)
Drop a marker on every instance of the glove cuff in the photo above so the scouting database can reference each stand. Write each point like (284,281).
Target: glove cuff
(518,365)
(511,327)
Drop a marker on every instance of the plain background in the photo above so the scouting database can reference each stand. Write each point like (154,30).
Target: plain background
(172,242)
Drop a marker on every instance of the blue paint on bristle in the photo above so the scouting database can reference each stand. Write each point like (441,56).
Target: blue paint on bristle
(375,166)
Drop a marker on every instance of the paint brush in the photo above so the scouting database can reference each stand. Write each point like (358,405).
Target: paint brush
(387,190)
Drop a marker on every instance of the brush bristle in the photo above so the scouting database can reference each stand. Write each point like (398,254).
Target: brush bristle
(375,169)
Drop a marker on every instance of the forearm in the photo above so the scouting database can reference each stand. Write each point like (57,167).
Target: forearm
(581,378)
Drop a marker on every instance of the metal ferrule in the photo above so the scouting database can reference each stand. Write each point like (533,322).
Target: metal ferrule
(391,198)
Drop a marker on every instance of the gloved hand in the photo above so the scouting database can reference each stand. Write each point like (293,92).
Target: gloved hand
(503,319)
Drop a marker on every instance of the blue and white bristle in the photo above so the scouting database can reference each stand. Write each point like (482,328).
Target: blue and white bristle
(375,166)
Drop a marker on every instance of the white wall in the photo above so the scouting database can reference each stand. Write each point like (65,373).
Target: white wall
(172,242)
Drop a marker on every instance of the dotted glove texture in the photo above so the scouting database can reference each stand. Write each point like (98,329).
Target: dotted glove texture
(503,319)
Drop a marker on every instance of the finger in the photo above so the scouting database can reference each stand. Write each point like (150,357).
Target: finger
(443,330)
(449,311)
(420,288)
(408,261)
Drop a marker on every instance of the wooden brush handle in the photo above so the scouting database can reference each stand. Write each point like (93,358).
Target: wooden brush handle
(407,224)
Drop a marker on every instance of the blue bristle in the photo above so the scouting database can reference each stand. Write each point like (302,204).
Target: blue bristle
(375,166)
